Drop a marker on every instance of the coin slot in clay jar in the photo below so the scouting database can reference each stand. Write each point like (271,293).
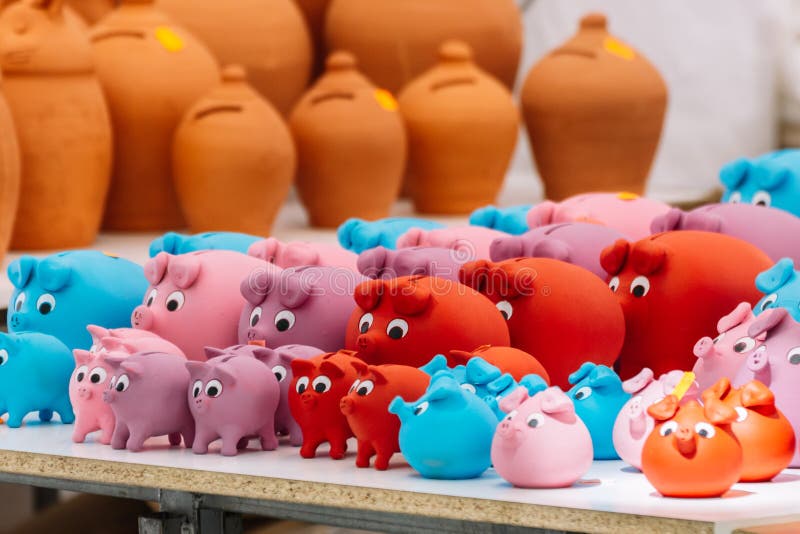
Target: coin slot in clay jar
(203,113)
(444,84)
(332,96)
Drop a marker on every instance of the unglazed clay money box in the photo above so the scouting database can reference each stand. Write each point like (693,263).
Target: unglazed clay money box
(63,293)
(359,235)
(556,311)
(593,108)
(409,320)
(689,271)
(34,377)
(772,179)
(385,264)
(512,219)
(781,287)
(469,242)
(286,254)
(174,243)
(541,443)
(577,243)
(516,362)
(9,173)
(366,408)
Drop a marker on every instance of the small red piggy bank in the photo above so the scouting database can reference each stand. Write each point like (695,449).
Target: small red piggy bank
(559,312)
(318,385)
(366,407)
(515,362)
(410,319)
(673,287)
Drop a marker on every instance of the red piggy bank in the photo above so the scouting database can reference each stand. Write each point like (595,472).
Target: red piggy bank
(515,362)
(561,313)
(318,385)
(366,407)
(673,288)
(410,319)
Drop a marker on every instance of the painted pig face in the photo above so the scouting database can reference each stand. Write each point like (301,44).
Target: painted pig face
(90,378)
(781,287)
(769,180)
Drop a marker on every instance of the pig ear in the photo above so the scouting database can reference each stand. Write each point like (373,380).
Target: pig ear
(639,382)
(331,369)
(502,383)
(295,289)
(372,262)
(459,357)
(719,413)
(533,383)
(648,256)
(411,298)
(53,273)
(479,371)
(259,283)
(345,231)
(265,249)
(437,363)
(555,401)
(443,386)
(262,354)
(368,294)
(115,361)
(299,254)
(195,368)
(768,320)
(170,242)
(302,367)
(718,390)
(776,276)
(132,368)
(552,248)
(541,214)
(734,173)
(583,371)
(755,393)
(475,274)
(613,257)
(414,237)
(213,352)
(380,378)
(513,400)
(664,409)
(739,315)
(98,332)
(184,270)
(226,373)
(504,248)
(360,367)
(155,268)
(771,177)
(666,222)
(82,357)
(19,271)
(704,222)
(115,343)
(603,377)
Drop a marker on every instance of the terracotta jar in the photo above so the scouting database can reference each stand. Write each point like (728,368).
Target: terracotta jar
(151,71)
(92,10)
(594,108)
(351,146)
(9,175)
(462,127)
(314,12)
(233,159)
(395,41)
(62,125)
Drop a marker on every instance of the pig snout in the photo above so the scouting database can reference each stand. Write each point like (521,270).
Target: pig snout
(253,335)
(142,318)
(109,396)
(510,433)
(309,400)
(704,348)
(17,321)
(686,441)
(84,393)
(346,405)
(199,405)
(758,360)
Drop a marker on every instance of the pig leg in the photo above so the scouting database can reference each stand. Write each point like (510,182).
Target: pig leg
(45,416)
(295,434)
(15,417)
(230,442)
(106,429)
(174,439)
(269,441)
(338,441)
(365,452)
(82,428)
(384,452)
(137,439)
(310,444)
(202,440)
(120,436)
(188,434)
(64,410)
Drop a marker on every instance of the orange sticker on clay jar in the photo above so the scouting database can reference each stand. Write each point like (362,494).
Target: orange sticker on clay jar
(385,100)
(619,49)
(169,39)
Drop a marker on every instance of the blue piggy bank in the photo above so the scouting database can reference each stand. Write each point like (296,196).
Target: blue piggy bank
(769,180)
(598,397)
(34,377)
(359,235)
(504,385)
(781,287)
(61,294)
(447,433)
(174,243)
(512,220)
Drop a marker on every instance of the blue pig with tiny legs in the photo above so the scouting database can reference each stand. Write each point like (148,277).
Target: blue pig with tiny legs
(511,220)
(772,179)
(359,235)
(174,243)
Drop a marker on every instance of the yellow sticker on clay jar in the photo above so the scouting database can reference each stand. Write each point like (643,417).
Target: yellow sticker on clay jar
(619,49)
(385,100)
(168,39)
(110,254)
(625,195)
(683,386)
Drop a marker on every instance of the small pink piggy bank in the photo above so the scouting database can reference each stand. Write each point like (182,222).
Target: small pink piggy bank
(299,253)
(541,443)
(86,387)
(471,242)
(233,397)
(129,341)
(381,263)
(722,356)
(194,299)
(147,394)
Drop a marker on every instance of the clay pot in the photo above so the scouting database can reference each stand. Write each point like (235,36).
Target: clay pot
(233,159)
(462,128)
(151,71)
(395,41)
(594,108)
(92,10)
(268,37)
(351,146)
(62,125)
(314,12)
(9,175)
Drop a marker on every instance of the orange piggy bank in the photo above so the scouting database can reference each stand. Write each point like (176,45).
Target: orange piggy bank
(515,362)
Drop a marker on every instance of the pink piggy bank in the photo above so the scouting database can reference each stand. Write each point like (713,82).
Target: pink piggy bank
(129,341)
(471,242)
(147,394)
(633,423)
(233,397)
(381,263)
(722,356)
(541,443)
(86,387)
(299,253)
(194,299)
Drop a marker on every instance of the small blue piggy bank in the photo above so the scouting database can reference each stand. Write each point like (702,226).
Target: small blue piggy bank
(359,235)
(769,180)
(598,397)
(512,220)
(61,294)
(174,243)
(781,287)
(34,377)
(447,433)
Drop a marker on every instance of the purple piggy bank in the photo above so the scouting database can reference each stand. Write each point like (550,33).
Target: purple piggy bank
(299,253)
(774,231)
(382,263)
(147,393)
(578,243)
(299,306)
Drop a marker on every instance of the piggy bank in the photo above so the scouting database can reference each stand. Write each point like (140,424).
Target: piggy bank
(634,424)
(772,179)
(383,263)
(233,397)
(627,213)
(577,243)
(692,451)
(366,408)
(409,320)
(447,432)
(147,393)
(541,443)
(128,341)
(61,294)
(491,384)
(766,436)
(300,253)
(308,305)
(359,235)
(34,377)
(517,363)
(512,220)
(194,299)
(781,287)
(86,387)
(556,311)
(725,354)
(598,397)
(174,243)
(469,242)
(689,271)
(317,387)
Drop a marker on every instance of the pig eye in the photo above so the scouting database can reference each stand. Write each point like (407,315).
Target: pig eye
(718,338)
(46,303)
(735,198)
(321,384)
(280,372)
(214,388)
(365,322)
(613,284)
(535,420)
(255,316)
(20,301)
(365,388)
(583,393)
(744,344)
(741,414)
(704,430)
(421,408)
(197,387)
(175,301)
(769,301)
(151,297)
(762,198)
(397,328)
(122,383)
(98,375)
(354,386)
(284,320)
(640,286)
(3,356)
(794,356)
(302,384)
(668,428)
(506,310)
(468,387)
(112,382)
(511,415)
(81,373)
